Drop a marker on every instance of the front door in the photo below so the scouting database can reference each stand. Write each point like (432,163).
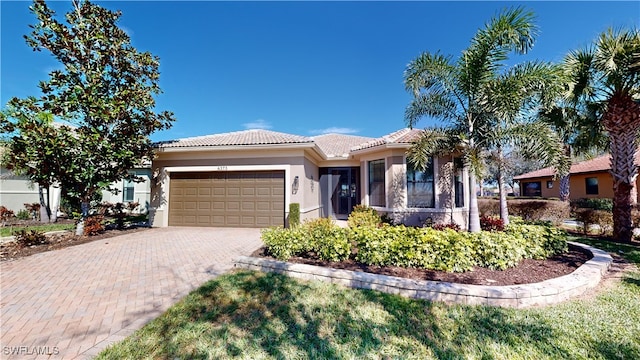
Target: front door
(345,191)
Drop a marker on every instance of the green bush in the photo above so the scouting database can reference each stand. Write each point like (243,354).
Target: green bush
(528,209)
(362,215)
(294,214)
(23,215)
(604,204)
(328,241)
(446,250)
(588,217)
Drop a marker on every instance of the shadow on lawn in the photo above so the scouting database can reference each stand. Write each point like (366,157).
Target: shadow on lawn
(252,313)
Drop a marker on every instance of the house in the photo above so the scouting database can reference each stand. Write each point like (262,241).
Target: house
(588,179)
(16,190)
(132,191)
(249,179)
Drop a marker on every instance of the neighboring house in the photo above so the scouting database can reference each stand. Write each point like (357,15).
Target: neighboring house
(16,190)
(588,179)
(249,179)
(131,191)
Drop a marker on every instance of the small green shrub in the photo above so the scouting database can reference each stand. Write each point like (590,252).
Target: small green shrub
(294,214)
(23,215)
(285,243)
(29,237)
(362,215)
(604,204)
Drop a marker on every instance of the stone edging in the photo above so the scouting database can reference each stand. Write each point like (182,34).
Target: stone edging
(547,292)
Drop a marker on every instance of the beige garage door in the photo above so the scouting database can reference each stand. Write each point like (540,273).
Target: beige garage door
(229,199)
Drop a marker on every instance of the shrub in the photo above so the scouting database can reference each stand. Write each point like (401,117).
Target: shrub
(589,217)
(27,237)
(93,225)
(605,204)
(5,214)
(321,236)
(33,209)
(491,223)
(362,215)
(530,210)
(23,215)
(294,214)
(442,226)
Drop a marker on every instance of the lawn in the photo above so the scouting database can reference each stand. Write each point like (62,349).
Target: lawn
(252,315)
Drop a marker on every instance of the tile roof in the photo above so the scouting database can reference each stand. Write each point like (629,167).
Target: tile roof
(238,138)
(600,163)
(338,145)
(402,136)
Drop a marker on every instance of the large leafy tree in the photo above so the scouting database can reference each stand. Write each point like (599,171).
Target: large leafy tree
(474,96)
(102,100)
(606,74)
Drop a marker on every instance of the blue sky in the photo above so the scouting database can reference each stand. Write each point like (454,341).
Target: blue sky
(299,67)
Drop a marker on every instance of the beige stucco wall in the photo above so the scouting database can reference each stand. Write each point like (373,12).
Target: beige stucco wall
(15,191)
(293,162)
(141,191)
(545,192)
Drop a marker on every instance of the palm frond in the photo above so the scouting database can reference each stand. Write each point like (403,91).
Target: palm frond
(434,103)
(434,141)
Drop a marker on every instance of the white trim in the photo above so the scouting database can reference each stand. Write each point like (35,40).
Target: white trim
(19,192)
(306,145)
(310,209)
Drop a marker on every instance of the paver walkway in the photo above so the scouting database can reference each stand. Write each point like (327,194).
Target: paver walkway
(74,302)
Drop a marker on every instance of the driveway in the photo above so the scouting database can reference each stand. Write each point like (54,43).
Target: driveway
(74,302)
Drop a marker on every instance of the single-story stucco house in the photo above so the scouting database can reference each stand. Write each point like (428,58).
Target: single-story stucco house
(249,179)
(588,179)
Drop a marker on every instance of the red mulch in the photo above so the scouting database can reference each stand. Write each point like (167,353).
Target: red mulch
(528,271)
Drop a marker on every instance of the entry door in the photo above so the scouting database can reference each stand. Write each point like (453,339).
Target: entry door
(344,195)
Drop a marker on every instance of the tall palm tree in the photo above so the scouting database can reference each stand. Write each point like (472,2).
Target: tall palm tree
(472,94)
(607,74)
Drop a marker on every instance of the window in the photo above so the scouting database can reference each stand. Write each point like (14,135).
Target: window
(532,189)
(420,188)
(127,192)
(377,192)
(591,185)
(549,184)
(458,186)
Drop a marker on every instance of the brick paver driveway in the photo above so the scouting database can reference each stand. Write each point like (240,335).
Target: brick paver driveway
(76,301)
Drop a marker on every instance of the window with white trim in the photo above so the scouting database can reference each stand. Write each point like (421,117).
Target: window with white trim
(420,186)
(377,193)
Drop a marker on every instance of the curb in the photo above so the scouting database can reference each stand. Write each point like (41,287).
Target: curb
(548,292)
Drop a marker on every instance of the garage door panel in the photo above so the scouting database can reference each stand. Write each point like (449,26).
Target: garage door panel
(247,199)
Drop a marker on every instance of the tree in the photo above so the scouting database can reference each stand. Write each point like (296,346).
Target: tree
(607,74)
(103,97)
(473,95)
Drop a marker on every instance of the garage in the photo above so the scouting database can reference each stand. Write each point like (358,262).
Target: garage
(227,199)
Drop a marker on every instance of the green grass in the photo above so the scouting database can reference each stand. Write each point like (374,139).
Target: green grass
(9,230)
(253,315)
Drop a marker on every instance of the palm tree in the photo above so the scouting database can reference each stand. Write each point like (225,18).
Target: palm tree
(472,94)
(607,74)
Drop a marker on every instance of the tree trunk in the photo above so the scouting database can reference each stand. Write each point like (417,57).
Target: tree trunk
(504,210)
(45,212)
(565,191)
(474,215)
(84,207)
(622,120)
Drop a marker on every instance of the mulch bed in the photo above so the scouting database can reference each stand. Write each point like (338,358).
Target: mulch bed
(12,250)
(528,271)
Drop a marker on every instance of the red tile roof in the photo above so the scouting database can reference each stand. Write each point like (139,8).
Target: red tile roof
(601,163)
(402,136)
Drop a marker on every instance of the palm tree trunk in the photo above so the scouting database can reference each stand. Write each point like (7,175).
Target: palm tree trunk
(504,210)
(474,214)
(622,120)
(565,191)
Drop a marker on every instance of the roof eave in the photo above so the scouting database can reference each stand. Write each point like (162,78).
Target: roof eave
(236,147)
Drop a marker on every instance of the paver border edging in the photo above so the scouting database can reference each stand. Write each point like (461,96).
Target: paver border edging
(547,292)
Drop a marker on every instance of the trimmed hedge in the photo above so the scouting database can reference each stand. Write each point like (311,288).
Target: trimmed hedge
(530,210)
(445,250)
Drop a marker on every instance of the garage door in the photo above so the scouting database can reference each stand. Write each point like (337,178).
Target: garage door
(228,199)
